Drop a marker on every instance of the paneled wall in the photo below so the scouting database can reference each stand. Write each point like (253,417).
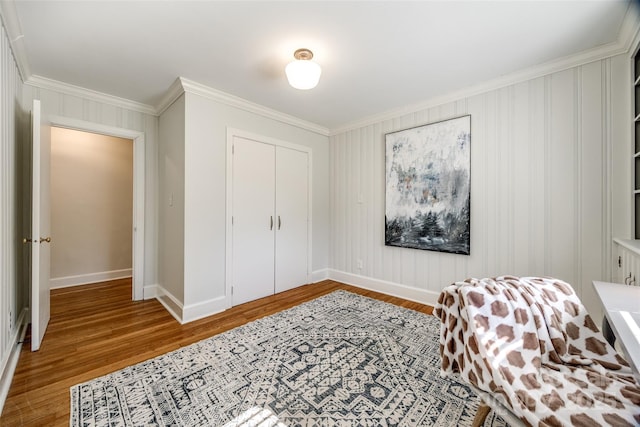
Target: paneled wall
(542,197)
(13,295)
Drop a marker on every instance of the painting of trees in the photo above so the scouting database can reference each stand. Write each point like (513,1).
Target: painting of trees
(428,187)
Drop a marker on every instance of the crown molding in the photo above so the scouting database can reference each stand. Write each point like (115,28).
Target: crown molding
(628,38)
(629,32)
(630,28)
(195,88)
(177,88)
(11,24)
(81,92)
(170,96)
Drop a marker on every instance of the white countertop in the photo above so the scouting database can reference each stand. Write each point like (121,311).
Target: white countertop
(621,304)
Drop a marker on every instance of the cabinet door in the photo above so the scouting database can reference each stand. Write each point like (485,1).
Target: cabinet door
(292,205)
(253,220)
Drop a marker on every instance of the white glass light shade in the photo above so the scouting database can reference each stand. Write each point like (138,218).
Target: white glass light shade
(303,74)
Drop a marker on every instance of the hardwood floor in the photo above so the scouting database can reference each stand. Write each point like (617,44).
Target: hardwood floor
(97,329)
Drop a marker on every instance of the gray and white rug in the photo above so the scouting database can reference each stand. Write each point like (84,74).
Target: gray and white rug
(340,360)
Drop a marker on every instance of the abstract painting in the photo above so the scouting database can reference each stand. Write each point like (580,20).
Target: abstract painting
(428,187)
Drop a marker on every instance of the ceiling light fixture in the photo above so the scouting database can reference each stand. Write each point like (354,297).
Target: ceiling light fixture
(303,73)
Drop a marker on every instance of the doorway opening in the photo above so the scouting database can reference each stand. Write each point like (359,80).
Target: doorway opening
(105,240)
(91,208)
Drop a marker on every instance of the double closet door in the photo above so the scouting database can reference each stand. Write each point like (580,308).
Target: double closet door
(269,219)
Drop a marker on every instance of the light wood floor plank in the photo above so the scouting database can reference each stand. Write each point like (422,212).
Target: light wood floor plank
(97,329)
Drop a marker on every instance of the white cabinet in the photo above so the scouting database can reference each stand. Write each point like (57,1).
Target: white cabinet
(270,219)
(626,266)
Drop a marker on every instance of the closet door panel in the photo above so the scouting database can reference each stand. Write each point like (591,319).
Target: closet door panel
(253,220)
(292,203)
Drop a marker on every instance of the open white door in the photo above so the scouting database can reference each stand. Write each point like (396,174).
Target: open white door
(40,226)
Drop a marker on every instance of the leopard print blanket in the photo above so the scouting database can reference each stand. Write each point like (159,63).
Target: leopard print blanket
(531,344)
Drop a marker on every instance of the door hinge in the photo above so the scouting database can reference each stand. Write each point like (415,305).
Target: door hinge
(233,149)
(232,290)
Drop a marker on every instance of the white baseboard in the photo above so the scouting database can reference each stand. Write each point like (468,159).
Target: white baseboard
(185,313)
(389,288)
(150,292)
(203,309)
(85,279)
(319,275)
(11,361)
(189,313)
(170,302)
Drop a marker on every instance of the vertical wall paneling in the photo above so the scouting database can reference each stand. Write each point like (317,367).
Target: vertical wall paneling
(520,209)
(490,192)
(592,235)
(537,162)
(4,280)
(13,294)
(479,185)
(606,228)
(500,257)
(620,147)
(561,171)
(354,186)
(4,175)
(510,144)
(541,181)
(607,154)
(548,113)
(578,143)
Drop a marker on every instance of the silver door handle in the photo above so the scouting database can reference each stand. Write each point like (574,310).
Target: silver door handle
(279,222)
(271,226)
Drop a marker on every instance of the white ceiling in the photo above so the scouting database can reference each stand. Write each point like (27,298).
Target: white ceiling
(375,56)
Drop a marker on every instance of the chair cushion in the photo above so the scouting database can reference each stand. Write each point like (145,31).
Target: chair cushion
(531,343)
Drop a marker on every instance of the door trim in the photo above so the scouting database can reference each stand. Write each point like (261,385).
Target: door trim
(138,249)
(231,134)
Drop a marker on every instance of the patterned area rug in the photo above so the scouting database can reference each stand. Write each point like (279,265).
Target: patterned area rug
(339,360)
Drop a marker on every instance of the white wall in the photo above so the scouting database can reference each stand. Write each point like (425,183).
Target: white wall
(91,207)
(546,194)
(60,103)
(14,202)
(205,185)
(171,202)
(205,132)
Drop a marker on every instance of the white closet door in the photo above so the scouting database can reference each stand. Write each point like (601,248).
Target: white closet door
(292,204)
(253,220)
